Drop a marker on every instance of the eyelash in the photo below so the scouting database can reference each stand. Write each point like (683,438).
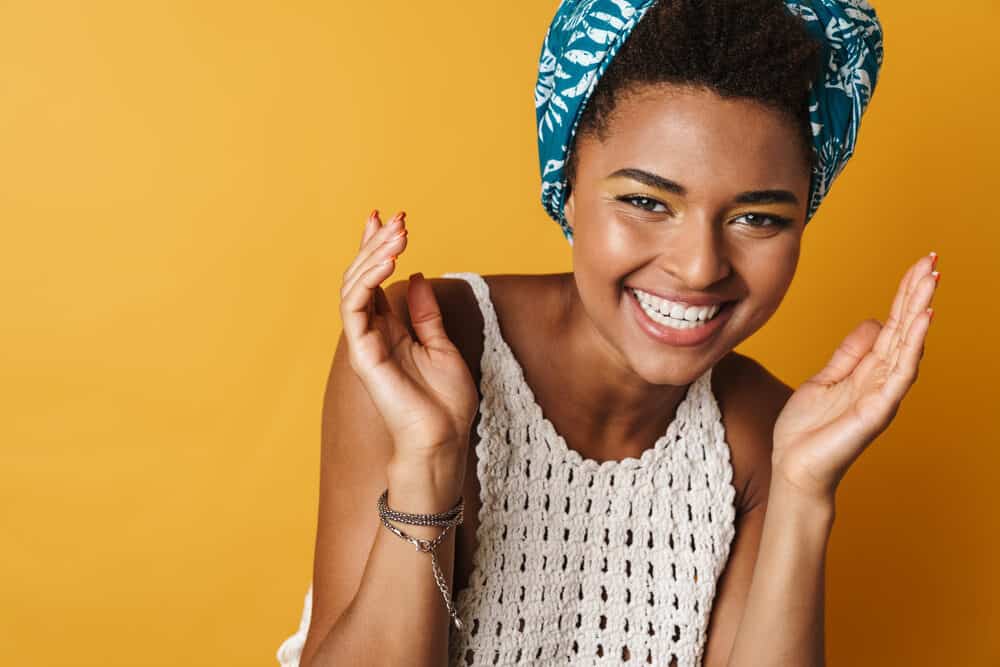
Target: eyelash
(778,221)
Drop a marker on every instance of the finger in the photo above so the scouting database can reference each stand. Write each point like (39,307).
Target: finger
(395,224)
(354,302)
(906,370)
(923,267)
(923,292)
(390,248)
(425,313)
(372,225)
(849,353)
(883,345)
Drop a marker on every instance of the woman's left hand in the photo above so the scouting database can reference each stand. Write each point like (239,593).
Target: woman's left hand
(836,414)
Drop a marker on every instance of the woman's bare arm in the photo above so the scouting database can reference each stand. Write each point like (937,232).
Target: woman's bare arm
(784,581)
(375,600)
(783,619)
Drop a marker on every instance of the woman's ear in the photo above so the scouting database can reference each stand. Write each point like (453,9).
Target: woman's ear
(568,206)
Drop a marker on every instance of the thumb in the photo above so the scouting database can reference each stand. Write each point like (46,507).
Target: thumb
(850,352)
(425,314)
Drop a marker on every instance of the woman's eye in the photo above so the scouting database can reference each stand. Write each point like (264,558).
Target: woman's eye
(756,220)
(645,203)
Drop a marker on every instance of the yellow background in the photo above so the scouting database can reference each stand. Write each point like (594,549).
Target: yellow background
(183,184)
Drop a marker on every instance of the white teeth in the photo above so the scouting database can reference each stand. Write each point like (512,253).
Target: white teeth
(674,315)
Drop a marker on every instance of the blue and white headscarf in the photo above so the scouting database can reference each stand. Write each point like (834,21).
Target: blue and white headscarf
(585,35)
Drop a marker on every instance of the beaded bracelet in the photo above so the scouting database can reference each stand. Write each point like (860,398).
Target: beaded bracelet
(452,517)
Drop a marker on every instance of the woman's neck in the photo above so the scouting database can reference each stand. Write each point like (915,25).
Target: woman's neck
(600,406)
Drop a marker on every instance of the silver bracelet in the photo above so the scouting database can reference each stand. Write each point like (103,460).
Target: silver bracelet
(452,517)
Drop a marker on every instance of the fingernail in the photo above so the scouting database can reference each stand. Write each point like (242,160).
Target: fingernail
(937,276)
(934,258)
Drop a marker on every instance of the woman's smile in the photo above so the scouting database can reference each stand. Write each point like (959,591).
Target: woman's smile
(672,329)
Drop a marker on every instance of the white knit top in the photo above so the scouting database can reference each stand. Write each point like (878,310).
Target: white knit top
(578,559)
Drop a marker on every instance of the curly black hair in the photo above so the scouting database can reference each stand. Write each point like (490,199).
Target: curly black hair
(749,49)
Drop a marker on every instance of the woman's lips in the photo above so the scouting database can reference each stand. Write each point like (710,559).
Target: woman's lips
(679,337)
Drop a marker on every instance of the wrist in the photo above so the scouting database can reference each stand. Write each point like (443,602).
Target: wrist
(818,507)
(424,486)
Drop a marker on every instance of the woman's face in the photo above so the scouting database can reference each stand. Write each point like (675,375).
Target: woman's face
(689,196)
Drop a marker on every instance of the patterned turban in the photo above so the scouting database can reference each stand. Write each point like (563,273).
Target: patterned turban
(585,35)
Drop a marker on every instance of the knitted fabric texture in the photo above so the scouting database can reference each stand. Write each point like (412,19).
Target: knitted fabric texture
(580,562)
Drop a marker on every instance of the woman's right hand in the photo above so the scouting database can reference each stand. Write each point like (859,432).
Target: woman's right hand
(422,388)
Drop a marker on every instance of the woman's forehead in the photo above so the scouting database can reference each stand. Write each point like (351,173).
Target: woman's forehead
(695,136)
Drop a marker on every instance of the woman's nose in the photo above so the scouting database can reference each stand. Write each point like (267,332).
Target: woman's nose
(696,256)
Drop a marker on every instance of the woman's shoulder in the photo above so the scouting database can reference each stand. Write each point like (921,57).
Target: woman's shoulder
(750,399)
(461,312)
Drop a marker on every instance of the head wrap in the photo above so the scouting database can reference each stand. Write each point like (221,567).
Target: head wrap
(585,35)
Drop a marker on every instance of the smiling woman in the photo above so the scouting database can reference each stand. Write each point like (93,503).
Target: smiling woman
(712,210)
(623,457)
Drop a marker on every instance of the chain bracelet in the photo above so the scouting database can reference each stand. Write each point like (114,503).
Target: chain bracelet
(452,517)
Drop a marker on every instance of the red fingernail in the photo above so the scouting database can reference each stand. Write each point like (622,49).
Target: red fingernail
(937,276)
(934,258)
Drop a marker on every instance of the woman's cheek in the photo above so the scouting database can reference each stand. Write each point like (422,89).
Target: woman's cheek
(619,236)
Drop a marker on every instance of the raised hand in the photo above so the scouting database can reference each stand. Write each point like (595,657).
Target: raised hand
(422,388)
(830,420)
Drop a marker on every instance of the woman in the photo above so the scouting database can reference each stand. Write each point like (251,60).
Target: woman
(624,487)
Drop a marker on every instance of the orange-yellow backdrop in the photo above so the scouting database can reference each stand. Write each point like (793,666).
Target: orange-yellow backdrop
(183,184)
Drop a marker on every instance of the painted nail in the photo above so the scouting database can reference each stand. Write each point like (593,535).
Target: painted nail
(937,276)
(934,258)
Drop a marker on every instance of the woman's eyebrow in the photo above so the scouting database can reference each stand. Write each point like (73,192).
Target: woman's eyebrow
(751,197)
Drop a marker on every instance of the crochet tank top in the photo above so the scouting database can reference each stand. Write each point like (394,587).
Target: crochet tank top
(588,563)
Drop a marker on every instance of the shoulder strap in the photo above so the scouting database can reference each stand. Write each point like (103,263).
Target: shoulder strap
(491,325)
